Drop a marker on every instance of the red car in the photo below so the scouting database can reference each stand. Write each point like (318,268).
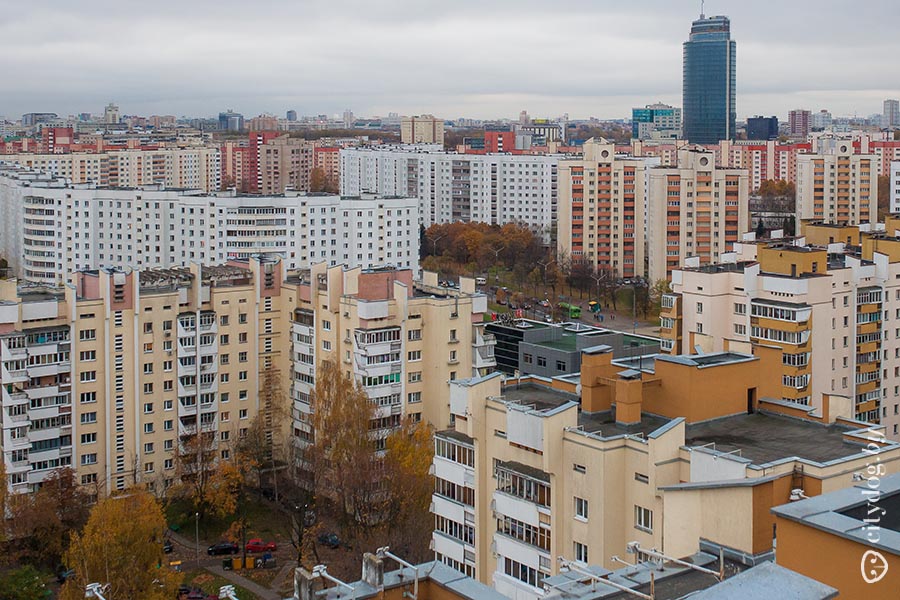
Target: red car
(257,545)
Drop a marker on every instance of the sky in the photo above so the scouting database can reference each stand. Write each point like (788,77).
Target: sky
(474,58)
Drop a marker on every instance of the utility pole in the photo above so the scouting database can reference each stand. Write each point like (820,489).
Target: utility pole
(197,536)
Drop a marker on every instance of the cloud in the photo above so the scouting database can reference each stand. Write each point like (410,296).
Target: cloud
(462,58)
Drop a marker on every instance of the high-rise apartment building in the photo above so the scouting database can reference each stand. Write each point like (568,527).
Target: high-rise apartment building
(422,129)
(799,122)
(675,453)
(403,341)
(490,188)
(821,120)
(894,179)
(891,114)
(695,209)
(601,209)
(49,230)
(656,121)
(113,374)
(836,184)
(762,128)
(111,114)
(709,81)
(284,163)
(824,298)
(231,121)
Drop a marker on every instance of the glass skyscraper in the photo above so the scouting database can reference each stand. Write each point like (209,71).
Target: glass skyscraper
(709,82)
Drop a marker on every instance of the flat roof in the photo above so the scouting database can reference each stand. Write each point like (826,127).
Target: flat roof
(842,513)
(763,438)
(766,581)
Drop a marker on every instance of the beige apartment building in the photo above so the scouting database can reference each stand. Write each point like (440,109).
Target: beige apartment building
(677,453)
(421,129)
(112,374)
(829,300)
(601,208)
(837,185)
(694,210)
(284,162)
(197,168)
(404,341)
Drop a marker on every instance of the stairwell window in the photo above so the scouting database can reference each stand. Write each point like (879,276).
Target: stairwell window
(643,519)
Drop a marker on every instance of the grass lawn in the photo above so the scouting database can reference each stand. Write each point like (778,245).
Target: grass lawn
(264,519)
(211,583)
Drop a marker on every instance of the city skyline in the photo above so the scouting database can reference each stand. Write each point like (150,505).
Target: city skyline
(396,60)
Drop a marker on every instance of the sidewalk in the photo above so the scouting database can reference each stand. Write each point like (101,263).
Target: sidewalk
(251,586)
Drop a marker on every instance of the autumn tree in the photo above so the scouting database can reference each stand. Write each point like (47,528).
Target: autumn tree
(45,520)
(24,583)
(410,450)
(884,196)
(341,464)
(209,483)
(317,180)
(121,546)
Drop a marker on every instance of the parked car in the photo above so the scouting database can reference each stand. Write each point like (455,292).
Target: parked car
(329,539)
(480,281)
(545,303)
(167,546)
(257,545)
(223,548)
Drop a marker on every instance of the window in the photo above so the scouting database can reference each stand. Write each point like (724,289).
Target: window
(453,356)
(581,553)
(526,357)
(148,427)
(87,376)
(223,340)
(415,335)
(168,464)
(542,361)
(148,327)
(242,357)
(579,468)
(414,397)
(88,438)
(148,407)
(148,448)
(326,345)
(148,388)
(699,308)
(415,355)
(88,417)
(561,365)
(242,338)
(326,325)
(242,318)
(415,376)
(89,459)
(581,507)
(167,405)
(87,334)
(242,376)
(87,397)
(167,425)
(740,308)
(148,368)
(87,355)
(453,337)
(243,413)
(225,416)
(643,519)
(740,329)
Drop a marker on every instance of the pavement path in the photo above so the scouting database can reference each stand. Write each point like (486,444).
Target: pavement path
(251,586)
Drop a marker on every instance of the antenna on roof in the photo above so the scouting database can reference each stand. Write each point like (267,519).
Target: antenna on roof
(702,16)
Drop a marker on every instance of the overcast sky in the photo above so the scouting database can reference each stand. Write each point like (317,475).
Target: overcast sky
(474,58)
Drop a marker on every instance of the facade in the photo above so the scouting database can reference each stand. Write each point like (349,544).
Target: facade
(799,122)
(602,209)
(762,128)
(890,117)
(656,121)
(50,230)
(895,186)
(824,298)
(329,160)
(490,188)
(422,129)
(231,121)
(709,81)
(113,376)
(836,184)
(403,341)
(694,210)
(856,534)
(283,163)
(821,120)
(188,168)
(686,461)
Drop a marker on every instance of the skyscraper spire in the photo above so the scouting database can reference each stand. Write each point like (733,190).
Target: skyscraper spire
(702,16)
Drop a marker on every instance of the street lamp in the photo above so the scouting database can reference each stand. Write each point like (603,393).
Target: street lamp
(197,536)
(434,242)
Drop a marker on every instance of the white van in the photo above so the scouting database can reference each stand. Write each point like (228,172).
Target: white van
(480,281)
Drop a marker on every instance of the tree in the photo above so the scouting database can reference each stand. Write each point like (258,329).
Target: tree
(657,291)
(45,520)
(884,196)
(410,450)
(211,485)
(25,583)
(317,180)
(341,463)
(121,546)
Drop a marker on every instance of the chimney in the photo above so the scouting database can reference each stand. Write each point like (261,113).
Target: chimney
(596,368)
(629,394)
(305,585)
(373,571)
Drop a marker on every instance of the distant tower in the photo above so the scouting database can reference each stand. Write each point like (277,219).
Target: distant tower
(348,118)
(111,114)
(708,109)
(292,115)
(891,115)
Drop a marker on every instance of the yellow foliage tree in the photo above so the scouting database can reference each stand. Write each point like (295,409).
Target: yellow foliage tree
(121,546)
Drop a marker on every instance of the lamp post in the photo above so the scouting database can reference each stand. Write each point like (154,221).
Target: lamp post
(197,536)
(434,242)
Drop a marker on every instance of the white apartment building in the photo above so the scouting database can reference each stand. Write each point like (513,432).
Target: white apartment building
(489,188)
(895,186)
(51,228)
